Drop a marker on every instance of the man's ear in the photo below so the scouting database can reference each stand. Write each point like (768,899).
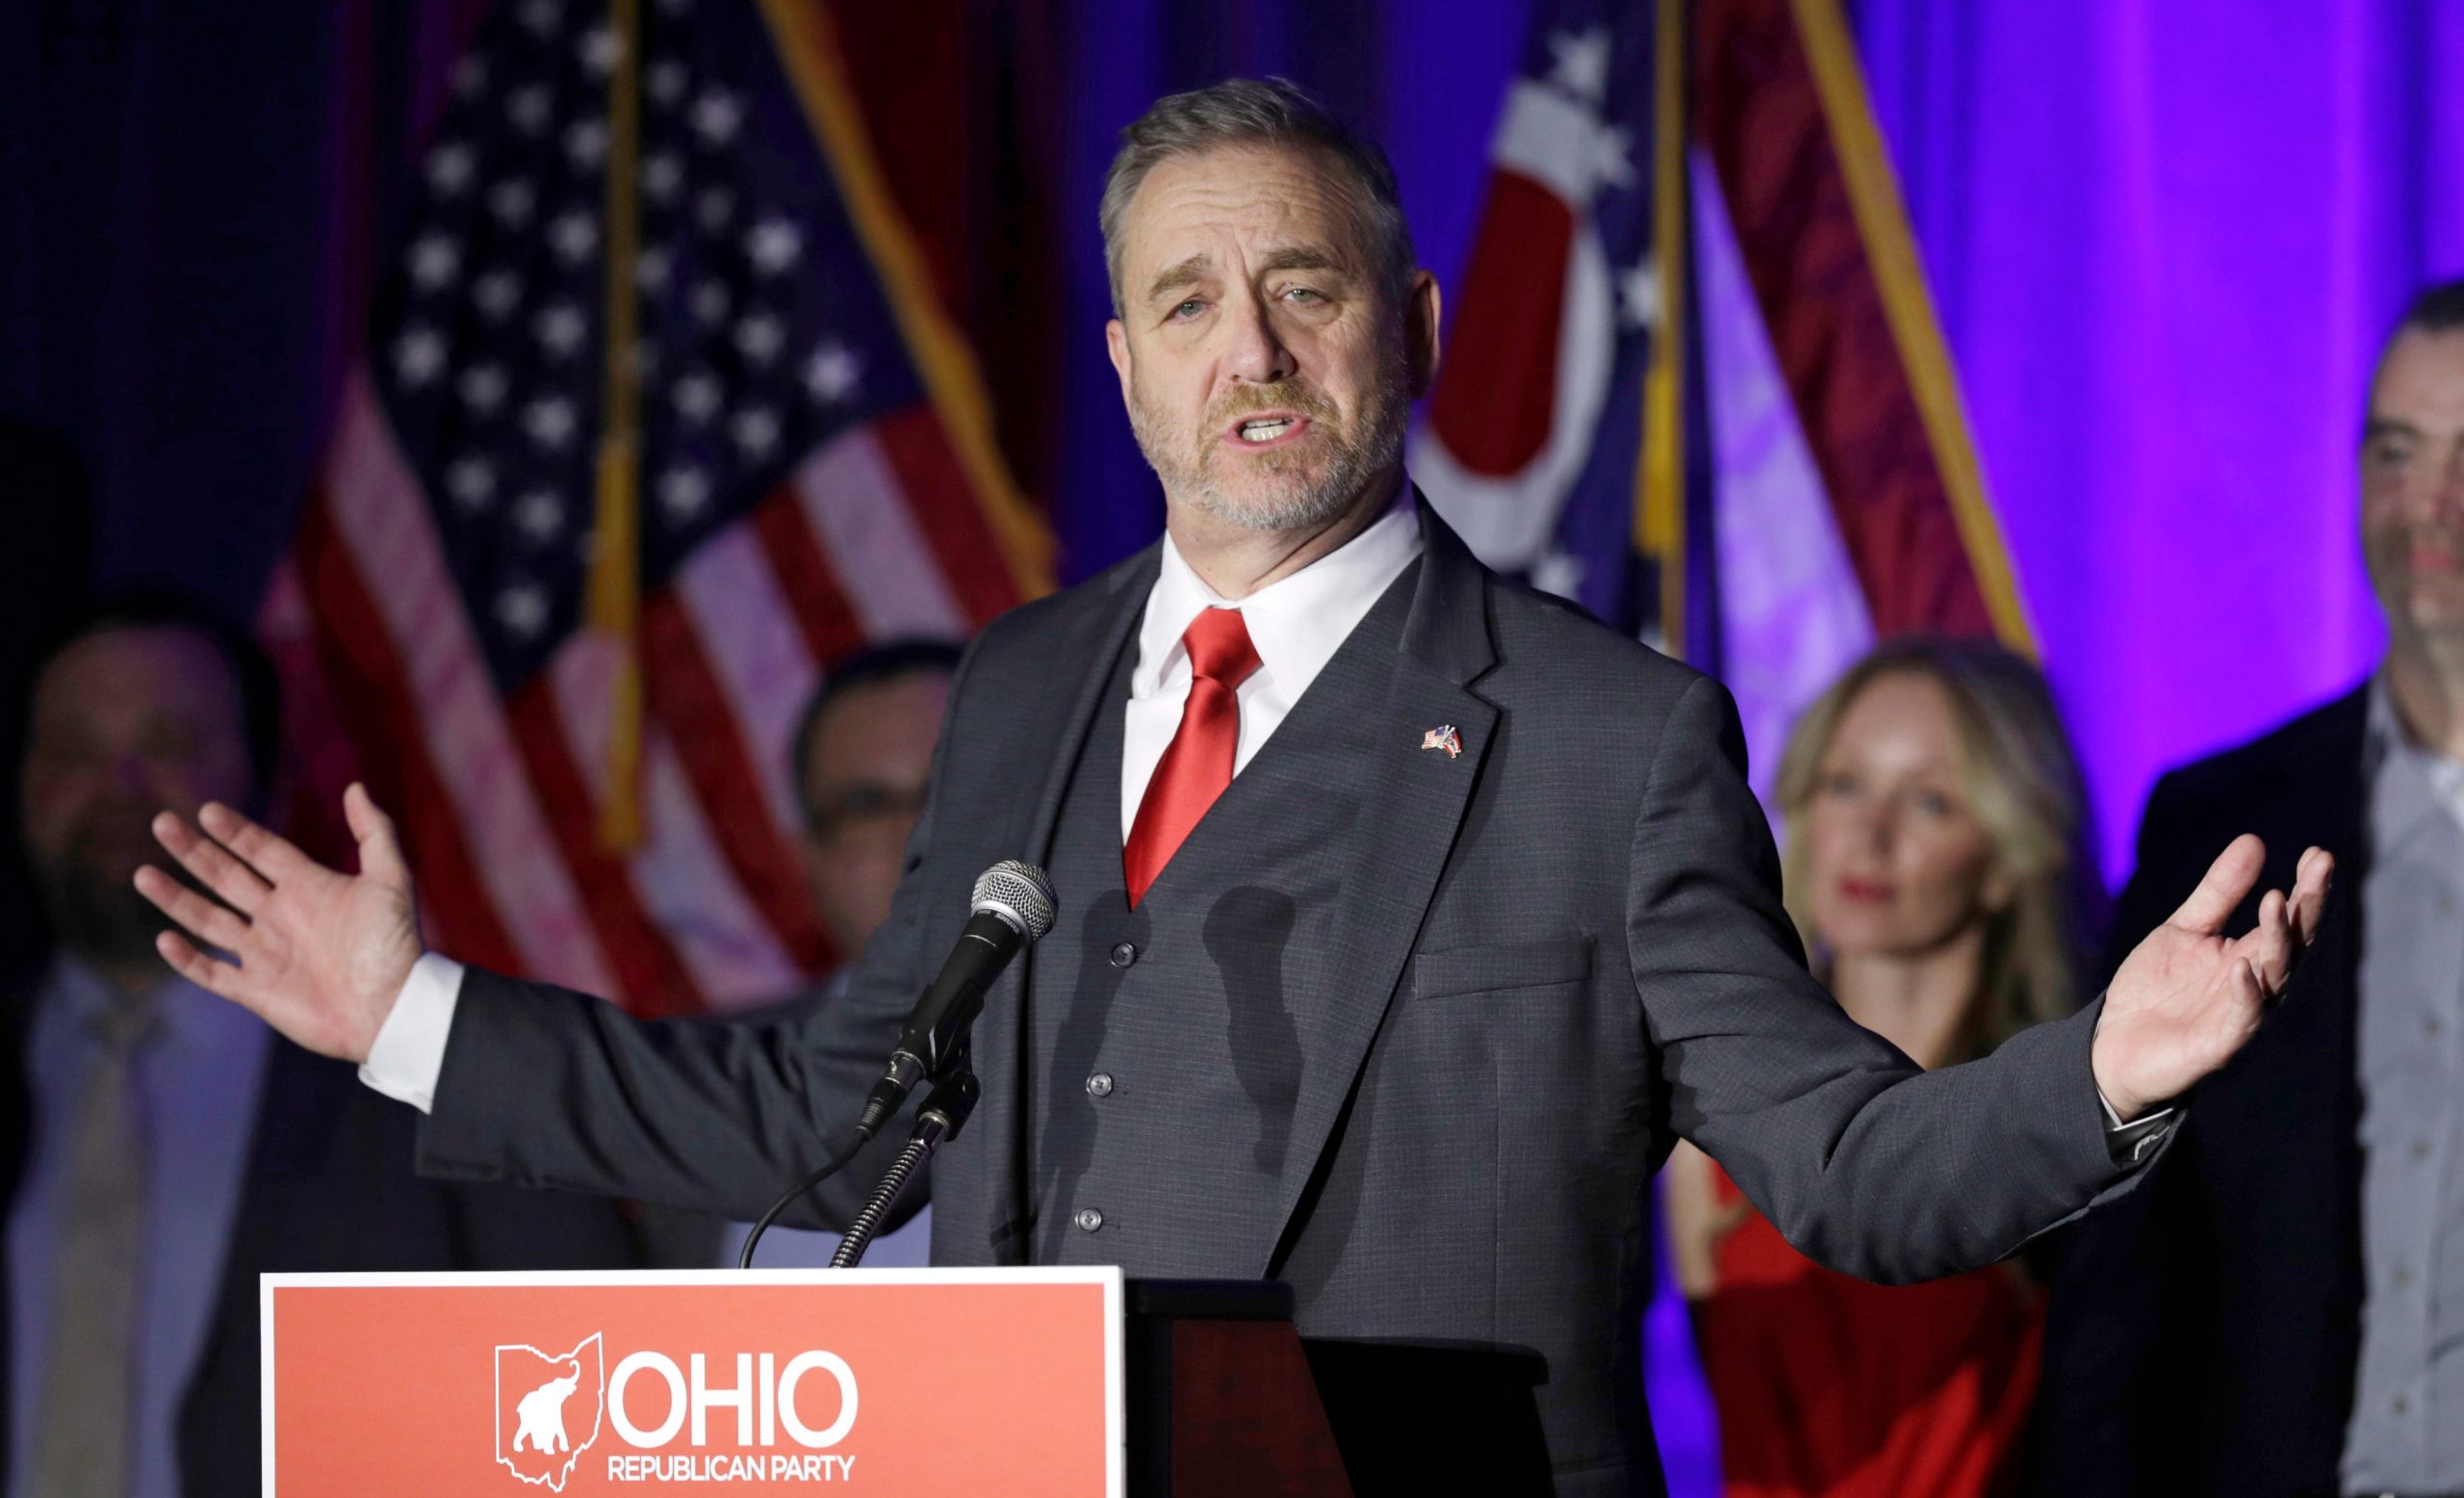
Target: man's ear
(1117,342)
(1421,308)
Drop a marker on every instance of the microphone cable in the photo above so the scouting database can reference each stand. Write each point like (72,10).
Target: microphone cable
(837,1161)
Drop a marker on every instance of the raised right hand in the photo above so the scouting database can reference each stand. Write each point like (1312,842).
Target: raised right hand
(319,955)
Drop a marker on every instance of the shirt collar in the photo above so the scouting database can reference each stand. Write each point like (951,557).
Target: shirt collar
(1296,623)
(186,1013)
(2411,786)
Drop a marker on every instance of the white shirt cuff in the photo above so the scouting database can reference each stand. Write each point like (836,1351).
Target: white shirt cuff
(2113,1120)
(408,1053)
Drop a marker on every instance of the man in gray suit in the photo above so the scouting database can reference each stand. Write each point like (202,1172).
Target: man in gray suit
(1408,917)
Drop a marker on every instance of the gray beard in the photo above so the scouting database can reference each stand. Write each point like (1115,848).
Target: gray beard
(1310,508)
(1313,506)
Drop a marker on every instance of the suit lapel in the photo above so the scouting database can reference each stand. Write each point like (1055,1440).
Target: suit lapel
(2319,1046)
(1415,805)
(1094,638)
(2339,959)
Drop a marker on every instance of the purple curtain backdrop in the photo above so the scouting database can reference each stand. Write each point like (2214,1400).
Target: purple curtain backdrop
(2165,256)
(187,195)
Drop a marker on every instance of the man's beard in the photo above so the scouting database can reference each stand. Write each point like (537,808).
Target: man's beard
(96,910)
(1352,458)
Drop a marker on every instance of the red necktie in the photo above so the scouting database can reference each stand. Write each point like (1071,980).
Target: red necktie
(1198,763)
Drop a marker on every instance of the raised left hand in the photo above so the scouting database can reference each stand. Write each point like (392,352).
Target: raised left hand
(2186,999)
(318,954)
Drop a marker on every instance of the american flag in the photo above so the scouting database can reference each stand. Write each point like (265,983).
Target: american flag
(816,470)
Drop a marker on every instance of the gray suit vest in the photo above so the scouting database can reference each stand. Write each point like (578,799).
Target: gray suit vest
(1162,1054)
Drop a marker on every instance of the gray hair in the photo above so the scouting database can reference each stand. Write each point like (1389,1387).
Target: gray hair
(1260,112)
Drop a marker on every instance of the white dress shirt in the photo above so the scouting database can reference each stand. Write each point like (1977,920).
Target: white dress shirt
(2406,1433)
(1296,624)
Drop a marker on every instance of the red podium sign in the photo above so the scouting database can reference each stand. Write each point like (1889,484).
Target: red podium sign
(882,1381)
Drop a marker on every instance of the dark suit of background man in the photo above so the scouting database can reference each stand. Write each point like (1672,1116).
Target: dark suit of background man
(2281,1310)
(163,1148)
(1407,917)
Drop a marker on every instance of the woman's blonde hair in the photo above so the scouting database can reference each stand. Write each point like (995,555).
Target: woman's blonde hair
(2022,786)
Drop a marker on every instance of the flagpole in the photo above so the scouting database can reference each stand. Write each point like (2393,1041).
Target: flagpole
(614,602)
(1660,510)
(809,50)
(1908,308)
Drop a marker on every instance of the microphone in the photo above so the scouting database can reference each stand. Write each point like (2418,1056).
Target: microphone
(1012,908)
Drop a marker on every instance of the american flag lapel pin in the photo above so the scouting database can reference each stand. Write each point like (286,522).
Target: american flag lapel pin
(1442,737)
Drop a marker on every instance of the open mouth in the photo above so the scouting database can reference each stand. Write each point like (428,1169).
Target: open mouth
(1268,428)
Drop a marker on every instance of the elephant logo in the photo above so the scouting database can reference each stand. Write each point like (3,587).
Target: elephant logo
(541,1413)
(549,1407)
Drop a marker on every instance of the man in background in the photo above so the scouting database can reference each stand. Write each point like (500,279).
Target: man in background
(162,1146)
(2281,1310)
(862,754)
(863,750)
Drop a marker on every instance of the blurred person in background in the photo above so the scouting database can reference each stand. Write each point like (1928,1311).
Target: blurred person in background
(861,755)
(864,751)
(163,1147)
(2282,1311)
(1932,811)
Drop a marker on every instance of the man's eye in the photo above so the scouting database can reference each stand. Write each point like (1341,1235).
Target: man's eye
(863,801)
(1304,294)
(1188,309)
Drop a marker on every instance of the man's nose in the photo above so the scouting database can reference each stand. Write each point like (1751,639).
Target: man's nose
(1258,356)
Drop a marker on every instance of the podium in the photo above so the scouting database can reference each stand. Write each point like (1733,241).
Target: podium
(1022,1382)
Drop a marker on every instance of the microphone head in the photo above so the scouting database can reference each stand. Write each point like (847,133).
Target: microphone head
(1019,895)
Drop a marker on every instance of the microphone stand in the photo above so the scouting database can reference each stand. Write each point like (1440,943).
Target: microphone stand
(944,1112)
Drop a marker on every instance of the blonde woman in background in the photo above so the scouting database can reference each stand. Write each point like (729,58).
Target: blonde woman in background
(1933,813)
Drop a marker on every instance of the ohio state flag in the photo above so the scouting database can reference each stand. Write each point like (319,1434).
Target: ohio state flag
(1695,382)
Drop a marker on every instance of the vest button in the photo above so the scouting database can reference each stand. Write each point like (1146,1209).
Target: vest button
(1088,1220)
(1123,954)
(1099,1085)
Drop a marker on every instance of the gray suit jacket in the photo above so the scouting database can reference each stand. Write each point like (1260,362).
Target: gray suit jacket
(1559,952)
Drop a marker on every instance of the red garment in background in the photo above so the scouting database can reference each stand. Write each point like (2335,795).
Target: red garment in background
(1826,1385)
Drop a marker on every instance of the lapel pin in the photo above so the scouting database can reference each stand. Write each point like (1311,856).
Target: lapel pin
(1443,738)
